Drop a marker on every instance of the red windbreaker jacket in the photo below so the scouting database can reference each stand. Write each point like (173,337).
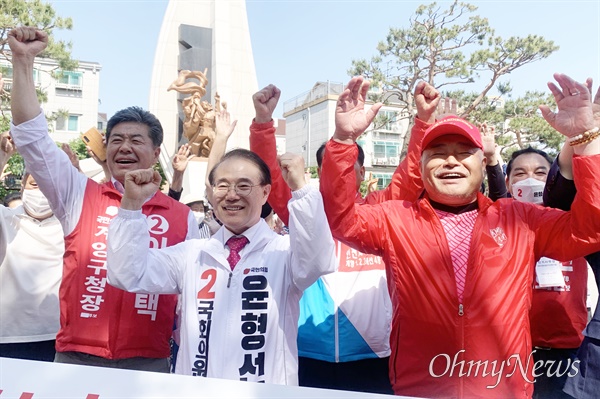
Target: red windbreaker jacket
(482,346)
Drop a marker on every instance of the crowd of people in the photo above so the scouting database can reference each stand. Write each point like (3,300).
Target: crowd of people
(427,288)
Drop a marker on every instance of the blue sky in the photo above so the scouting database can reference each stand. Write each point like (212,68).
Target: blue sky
(297,43)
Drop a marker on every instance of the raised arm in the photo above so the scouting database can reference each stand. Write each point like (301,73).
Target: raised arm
(72,156)
(7,148)
(559,191)
(262,142)
(560,188)
(351,118)
(348,222)
(312,246)
(406,181)
(179,162)
(131,264)
(495,176)
(575,119)
(223,130)
(60,182)
(25,44)
(575,116)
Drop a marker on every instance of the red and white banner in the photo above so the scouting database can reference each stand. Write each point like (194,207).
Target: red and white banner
(23,379)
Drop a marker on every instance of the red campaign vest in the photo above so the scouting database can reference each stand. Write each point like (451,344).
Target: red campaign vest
(97,318)
(559,317)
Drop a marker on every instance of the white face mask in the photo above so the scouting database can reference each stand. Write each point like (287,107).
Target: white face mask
(36,204)
(199,216)
(528,190)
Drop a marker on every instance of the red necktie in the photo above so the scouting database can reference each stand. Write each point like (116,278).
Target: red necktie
(235,244)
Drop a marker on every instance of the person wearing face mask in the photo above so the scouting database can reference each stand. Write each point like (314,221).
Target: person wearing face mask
(196,204)
(34,202)
(31,259)
(558,312)
(31,244)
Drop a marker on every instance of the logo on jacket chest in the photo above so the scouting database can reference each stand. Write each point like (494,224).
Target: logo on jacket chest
(499,236)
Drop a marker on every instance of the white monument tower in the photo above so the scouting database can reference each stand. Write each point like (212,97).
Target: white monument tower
(195,35)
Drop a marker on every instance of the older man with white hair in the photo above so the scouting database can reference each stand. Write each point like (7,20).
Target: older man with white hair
(460,266)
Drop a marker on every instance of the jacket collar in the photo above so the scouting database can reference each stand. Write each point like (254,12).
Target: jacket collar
(259,239)
(483,202)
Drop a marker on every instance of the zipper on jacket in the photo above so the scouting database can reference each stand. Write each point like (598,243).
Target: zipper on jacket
(461,313)
(229,280)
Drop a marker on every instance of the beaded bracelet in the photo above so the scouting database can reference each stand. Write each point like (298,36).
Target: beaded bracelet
(584,138)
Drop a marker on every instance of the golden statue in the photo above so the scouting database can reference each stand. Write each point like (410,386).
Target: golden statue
(199,123)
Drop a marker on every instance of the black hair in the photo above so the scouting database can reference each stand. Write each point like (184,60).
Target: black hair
(266,210)
(528,150)
(321,151)
(248,156)
(15,195)
(137,114)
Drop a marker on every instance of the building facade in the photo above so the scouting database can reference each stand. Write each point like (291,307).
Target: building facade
(310,122)
(71,96)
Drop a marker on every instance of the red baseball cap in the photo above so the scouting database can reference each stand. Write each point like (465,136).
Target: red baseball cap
(452,125)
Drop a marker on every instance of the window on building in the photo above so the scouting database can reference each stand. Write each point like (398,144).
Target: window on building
(70,78)
(384,179)
(386,149)
(379,135)
(362,143)
(6,70)
(386,153)
(69,123)
(390,119)
(7,73)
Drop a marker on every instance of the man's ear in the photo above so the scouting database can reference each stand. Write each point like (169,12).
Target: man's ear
(266,192)
(156,154)
(484,163)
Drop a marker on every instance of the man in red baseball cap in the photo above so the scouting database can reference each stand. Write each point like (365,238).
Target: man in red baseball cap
(452,161)
(452,125)
(459,266)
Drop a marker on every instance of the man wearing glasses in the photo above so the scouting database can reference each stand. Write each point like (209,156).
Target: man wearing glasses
(239,289)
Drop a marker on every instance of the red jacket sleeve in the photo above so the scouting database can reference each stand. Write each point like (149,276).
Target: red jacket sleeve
(360,226)
(406,182)
(569,235)
(262,142)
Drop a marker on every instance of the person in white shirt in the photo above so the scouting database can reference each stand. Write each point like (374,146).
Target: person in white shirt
(239,301)
(31,250)
(99,325)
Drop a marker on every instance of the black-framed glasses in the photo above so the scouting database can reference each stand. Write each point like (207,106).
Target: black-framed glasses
(241,189)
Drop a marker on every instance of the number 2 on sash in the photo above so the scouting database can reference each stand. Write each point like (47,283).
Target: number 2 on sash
(211,276)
